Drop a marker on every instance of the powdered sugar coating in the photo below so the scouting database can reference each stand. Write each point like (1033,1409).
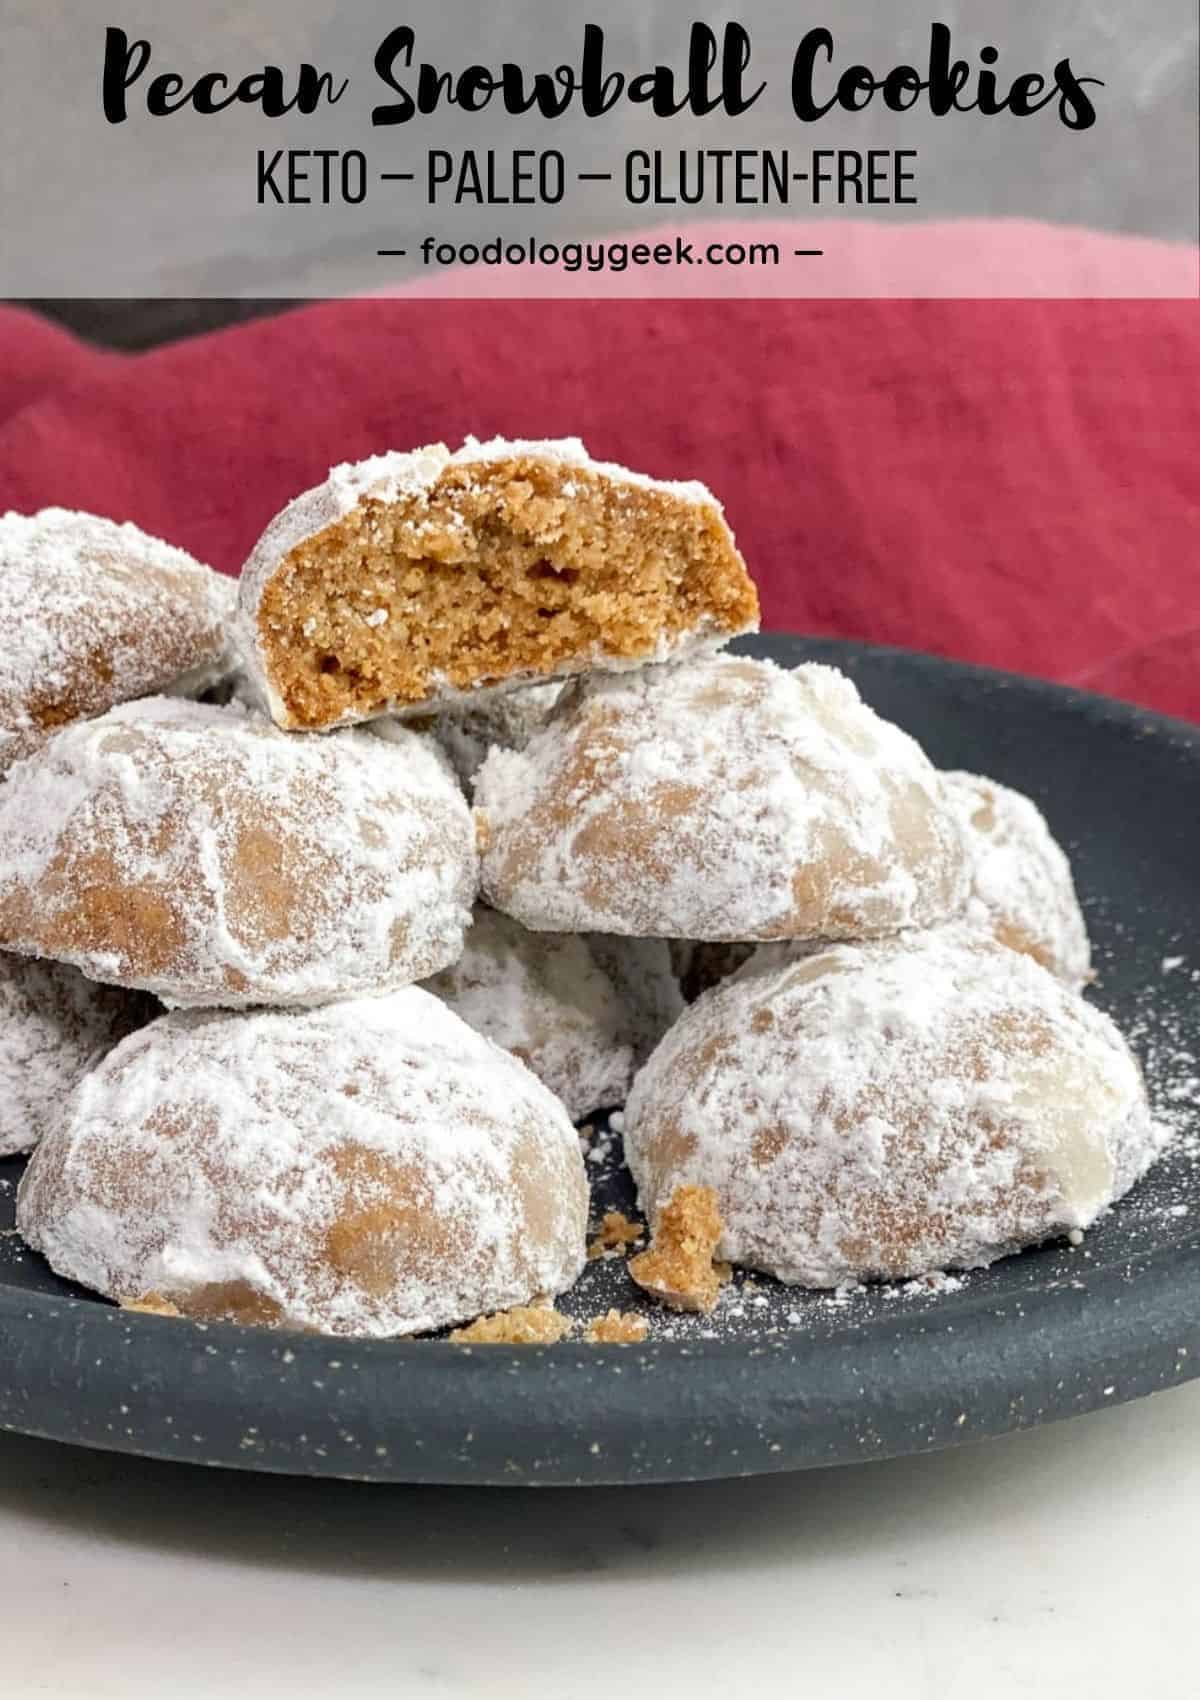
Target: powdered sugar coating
(372,1168)
(199,853)
(413,476)
(545,998)
(54,1027)
(96,614)
(468,730)
(881,1110)
(569,452)
(1021,888)
(720,799)
(643,973)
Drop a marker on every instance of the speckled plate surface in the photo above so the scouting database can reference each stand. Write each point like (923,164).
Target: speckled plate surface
(777,1379)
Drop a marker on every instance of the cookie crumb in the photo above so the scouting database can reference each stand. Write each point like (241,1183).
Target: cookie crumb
(524,1325)
(617,1328)
(615,1233)
(678,1267)
(152,1304)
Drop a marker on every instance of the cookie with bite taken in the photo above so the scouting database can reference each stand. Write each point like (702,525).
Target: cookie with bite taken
(408,582)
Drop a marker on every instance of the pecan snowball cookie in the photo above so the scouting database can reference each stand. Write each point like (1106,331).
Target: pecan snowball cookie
(884,1110)
(54,1027)
(412,579)
(719,799)
(96,614)
(1021,888)
(643,972)
(546,998)
(201,854)
(581,1012)
(372,1168)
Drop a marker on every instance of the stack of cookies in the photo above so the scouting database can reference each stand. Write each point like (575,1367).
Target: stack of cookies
(325,916)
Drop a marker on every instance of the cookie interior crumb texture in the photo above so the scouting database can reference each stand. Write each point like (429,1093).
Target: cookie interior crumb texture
(152,1304)
(617,1328)
(418,578)
(616,1233)
(679,1266)
(524,1325)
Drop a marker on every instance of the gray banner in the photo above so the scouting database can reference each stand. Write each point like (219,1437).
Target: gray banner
(307,148)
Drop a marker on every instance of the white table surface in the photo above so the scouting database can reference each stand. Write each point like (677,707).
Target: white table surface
(1059,1562)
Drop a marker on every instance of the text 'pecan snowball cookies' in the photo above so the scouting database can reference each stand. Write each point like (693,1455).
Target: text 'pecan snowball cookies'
(410,579)
(1021,885)
(546,998)
(201,854)
(883,1110)
(96,614)
(54,1027)
(723,798)
(371,1168)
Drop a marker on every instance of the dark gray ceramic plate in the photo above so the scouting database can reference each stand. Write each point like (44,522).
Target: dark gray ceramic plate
(778,1380)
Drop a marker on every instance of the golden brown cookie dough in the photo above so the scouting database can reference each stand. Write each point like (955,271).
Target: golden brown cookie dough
(413,579)
(680,1267)
(616,1328)
(883,1110)
(151,1304)
(96,614)
(616,1236)
(370,1168)
(524,1325)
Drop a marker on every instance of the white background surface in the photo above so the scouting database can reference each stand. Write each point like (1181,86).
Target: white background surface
(1059,1562)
